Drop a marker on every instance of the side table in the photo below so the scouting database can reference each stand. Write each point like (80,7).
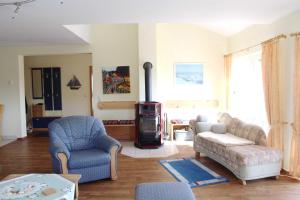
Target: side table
(176,127)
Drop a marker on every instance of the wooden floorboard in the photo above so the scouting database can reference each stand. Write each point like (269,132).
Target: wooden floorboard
(31,156)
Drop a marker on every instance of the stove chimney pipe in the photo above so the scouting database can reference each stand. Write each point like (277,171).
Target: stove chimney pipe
(148,89)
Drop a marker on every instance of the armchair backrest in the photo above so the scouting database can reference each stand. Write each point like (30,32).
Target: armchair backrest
(77,132)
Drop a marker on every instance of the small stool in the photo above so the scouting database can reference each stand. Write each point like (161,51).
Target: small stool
(164,191)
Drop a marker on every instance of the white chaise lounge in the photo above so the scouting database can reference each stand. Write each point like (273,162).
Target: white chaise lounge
(238,146)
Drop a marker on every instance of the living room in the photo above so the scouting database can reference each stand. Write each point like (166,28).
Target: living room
(246,59)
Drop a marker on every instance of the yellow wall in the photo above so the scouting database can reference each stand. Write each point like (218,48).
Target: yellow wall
(115,45)
(12,87)
(192,44)
(75,64)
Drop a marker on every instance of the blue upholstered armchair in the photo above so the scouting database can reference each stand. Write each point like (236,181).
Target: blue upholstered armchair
(80,145)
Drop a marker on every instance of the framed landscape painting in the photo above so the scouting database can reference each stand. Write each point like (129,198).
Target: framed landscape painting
(188,74)
(116,80)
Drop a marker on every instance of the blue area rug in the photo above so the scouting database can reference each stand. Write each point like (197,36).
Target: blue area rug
(192,172)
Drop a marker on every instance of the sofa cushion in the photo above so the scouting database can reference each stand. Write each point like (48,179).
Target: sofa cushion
(88,158)
(164,191)
(201,118)
(234,125)
(218,128)
(225,139)
(237,156)
(251,155)
(244,130)
(224,118)
(252,132)
(202,127)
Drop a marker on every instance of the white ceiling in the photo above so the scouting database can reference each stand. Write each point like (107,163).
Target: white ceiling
(41,22)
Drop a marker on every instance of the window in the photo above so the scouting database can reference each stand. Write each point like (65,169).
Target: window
(247,95)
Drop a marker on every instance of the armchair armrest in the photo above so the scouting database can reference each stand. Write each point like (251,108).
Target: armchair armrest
(60,155)
(106,143)
(56,147)
(111,146)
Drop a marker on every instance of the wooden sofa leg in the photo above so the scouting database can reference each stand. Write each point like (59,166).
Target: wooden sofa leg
(63,162)
(197,155)
(113,163)
(244,182)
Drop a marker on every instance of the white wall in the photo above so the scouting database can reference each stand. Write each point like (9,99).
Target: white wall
(115,45)
(75,64)
(259,33)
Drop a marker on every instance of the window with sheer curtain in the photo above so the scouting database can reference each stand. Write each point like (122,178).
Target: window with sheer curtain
(246,89)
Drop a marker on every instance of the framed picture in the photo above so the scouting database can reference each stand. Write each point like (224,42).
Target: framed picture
(189,74)
(116,80)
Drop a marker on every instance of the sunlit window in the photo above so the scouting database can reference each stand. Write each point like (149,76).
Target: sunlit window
(246,95)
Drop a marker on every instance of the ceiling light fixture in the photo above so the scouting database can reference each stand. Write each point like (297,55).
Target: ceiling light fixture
(19,4)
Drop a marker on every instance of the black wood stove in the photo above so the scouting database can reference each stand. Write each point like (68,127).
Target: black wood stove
(148,121)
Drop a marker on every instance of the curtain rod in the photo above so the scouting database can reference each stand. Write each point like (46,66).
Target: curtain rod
(251,47)
(295,34)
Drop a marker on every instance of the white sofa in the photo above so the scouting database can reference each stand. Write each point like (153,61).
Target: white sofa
(238,146)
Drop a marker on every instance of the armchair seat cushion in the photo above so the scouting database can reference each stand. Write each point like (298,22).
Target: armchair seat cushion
(88,158)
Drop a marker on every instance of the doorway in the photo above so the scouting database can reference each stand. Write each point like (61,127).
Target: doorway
(56,86)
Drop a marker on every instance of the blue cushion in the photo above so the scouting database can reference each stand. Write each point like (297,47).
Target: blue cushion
(164,191)
(88,158)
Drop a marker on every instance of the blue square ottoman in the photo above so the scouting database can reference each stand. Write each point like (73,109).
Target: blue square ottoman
(164,191)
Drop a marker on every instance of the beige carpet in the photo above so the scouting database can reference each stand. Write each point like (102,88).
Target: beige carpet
(168,149)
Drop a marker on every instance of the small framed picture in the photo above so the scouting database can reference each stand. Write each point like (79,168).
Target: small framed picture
(116,80)
(189,74)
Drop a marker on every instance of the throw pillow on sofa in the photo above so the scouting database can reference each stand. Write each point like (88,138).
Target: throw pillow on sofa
(202,127)
(218,128)
(201,118)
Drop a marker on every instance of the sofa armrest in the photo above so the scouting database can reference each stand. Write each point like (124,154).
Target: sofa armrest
(192,124)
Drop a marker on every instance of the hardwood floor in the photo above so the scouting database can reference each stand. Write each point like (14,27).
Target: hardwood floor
(31,156)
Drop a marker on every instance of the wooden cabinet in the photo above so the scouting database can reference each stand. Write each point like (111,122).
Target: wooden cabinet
(121,131)
(41,123)
(52,88)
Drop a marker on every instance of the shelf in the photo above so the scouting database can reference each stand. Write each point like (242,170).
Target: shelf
(119,125)
(116,105)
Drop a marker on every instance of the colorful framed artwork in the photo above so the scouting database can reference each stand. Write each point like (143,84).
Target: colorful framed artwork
(116,80)
(189,73)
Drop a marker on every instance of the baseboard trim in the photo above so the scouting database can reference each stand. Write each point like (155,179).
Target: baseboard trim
(9,137)
(22,138)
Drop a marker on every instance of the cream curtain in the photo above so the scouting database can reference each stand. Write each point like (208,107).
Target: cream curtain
(272,92)
(295,148)
(227,71)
